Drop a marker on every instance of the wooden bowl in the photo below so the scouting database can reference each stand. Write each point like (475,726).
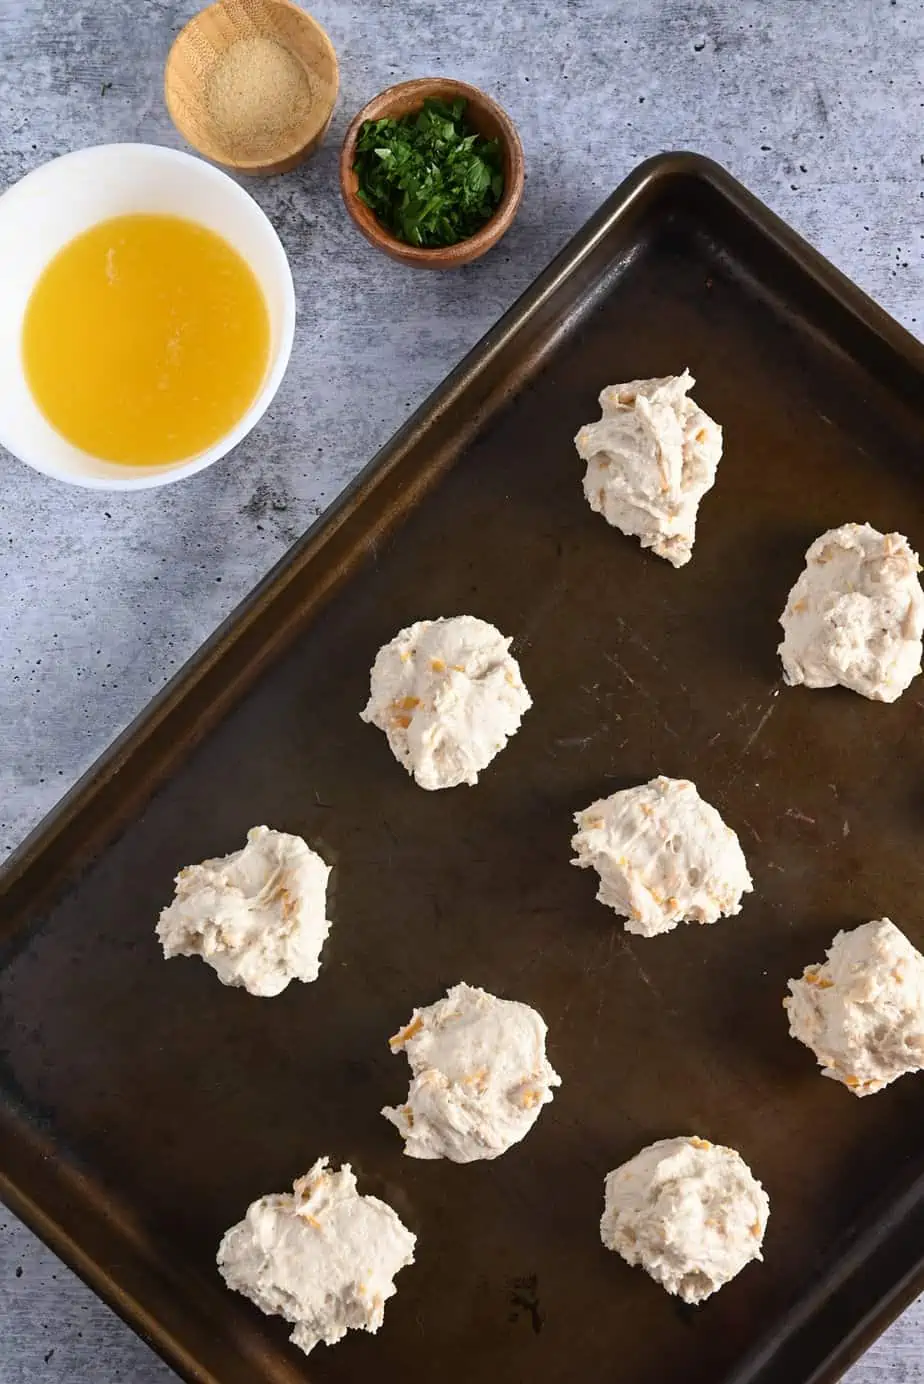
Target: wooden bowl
(485,116)
(196,56)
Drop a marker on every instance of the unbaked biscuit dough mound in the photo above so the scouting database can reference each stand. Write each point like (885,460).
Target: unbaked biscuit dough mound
(690,1213)
(323,1257)
(855,616)
(664,856)
(480,1076)
(650,460)
(862,1011)
(257,916)
(448,696)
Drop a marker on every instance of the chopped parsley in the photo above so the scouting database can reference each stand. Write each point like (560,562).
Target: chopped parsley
(428,177)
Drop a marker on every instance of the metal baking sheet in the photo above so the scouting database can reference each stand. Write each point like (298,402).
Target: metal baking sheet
(143,1105)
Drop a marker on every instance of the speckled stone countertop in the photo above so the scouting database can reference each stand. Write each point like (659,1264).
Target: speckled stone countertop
(816,106)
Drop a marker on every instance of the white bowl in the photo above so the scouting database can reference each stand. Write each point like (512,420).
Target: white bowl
(55,203)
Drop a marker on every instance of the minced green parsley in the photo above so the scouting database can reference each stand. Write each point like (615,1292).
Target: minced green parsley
(430,179)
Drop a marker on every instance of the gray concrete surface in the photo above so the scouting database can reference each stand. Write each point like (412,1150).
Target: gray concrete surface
(816,104)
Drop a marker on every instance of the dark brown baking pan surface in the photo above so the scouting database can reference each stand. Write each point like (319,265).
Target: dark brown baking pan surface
(144,1106)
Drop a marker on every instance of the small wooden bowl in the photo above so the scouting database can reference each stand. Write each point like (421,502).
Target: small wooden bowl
(204,42)
(485,116)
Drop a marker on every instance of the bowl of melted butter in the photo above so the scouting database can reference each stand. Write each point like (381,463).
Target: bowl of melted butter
(146,316)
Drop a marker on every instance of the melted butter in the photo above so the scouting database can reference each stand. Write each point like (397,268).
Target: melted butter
(146,339)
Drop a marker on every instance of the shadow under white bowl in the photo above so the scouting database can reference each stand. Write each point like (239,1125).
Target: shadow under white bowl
(48,208)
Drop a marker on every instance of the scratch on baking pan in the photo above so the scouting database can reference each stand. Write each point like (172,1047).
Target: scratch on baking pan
(759,728)
(771,865)
(596,966)
(752,830)
(846,828)
(635,638)
(642,691)
(609,942)
(611,658)
(799,816)
(643,974)
(597,1012)
(546,603)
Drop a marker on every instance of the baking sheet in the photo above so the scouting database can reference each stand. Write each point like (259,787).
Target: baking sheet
(142,1106)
